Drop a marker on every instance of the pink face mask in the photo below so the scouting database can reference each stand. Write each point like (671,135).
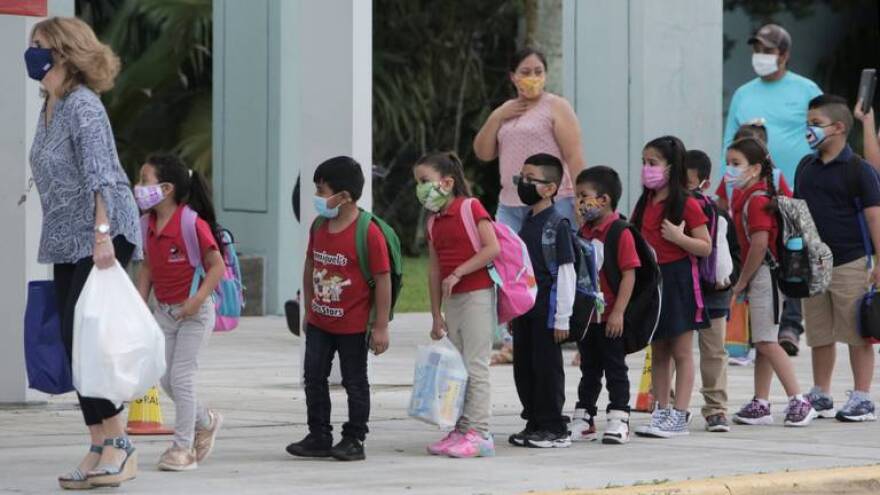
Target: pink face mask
(654,177)
(147,197)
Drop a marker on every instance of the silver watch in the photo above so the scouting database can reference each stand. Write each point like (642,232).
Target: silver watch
(103,229)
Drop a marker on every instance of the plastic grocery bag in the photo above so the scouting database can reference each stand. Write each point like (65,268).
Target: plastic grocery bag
(438,385)
(118,348)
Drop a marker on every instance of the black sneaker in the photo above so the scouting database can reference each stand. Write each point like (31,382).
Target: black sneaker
(311,446)
(348,449)
(548,440)
(788,339)
(519,439)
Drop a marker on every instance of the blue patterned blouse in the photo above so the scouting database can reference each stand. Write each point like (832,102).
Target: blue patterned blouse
(71,159)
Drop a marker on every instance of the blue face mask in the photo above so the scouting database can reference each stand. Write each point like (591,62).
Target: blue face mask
(816,135)
(322,208)
(38,62)
(735,179)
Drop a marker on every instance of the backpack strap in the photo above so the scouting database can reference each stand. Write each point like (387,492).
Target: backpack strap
(768,256)
(188,219)
(609,262)
(854,186)
(363,252)
(470,224)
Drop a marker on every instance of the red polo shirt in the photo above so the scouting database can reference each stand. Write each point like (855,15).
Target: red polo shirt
(453,247)
(627,256)
(759,219)
(167,257)
(341,299)
(652,220)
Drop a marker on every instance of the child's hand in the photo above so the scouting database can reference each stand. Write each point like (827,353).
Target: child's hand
(379,340)
(738,291)
(671,232)
(189,309)
(614,325)
(875,276)
(438,328)
(560,336)
(859,114)
(448,283)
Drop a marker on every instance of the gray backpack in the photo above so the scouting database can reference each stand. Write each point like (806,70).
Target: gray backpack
(804,267)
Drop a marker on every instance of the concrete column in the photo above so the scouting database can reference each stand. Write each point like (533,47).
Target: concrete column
(639,69)
(20,104)
(292,87)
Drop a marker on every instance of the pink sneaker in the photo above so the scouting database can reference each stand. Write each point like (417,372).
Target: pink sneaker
(441,446)
(472,444)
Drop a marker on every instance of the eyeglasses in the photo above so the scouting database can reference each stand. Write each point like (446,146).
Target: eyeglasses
(529,180)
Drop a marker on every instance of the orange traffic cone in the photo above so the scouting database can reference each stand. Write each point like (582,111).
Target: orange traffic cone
(145,416)
(645,398)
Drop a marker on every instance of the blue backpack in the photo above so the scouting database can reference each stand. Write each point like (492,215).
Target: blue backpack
(588,295)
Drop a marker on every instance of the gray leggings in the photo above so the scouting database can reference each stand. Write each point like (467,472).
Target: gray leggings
(183,341)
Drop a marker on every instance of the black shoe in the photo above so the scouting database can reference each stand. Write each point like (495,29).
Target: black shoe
(348,449)
(788,339)
(519,439)
(311,446)
(548,440)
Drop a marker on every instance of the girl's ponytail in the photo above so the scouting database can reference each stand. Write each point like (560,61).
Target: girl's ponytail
(199,200)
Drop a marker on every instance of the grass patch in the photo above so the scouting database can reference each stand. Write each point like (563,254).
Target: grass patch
(414,295)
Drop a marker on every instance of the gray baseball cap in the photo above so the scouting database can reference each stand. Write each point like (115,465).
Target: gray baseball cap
(772,36)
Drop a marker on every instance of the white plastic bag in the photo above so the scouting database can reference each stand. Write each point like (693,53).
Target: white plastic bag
(118,348)
(723,261)
(438,385)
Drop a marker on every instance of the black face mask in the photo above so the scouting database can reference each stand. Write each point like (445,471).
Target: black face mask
(528,193)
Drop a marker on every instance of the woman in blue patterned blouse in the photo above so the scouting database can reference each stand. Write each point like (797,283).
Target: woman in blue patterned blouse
(89,214)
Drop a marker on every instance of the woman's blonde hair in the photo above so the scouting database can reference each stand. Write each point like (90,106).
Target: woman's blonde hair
(86,59)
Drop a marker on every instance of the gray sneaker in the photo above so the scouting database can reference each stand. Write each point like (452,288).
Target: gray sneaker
(673,425)
(858,408)
(822,403)
(717,423)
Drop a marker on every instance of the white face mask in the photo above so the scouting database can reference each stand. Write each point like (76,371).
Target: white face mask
(765,63)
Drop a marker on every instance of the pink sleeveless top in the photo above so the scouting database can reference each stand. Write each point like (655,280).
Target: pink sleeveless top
(522,137)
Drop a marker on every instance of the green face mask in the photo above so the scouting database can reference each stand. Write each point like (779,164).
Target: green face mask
(431,196)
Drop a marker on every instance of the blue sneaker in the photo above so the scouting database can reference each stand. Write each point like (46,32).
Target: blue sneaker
(858,408)
(822,403)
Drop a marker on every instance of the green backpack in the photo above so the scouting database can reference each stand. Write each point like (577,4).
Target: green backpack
(363,254)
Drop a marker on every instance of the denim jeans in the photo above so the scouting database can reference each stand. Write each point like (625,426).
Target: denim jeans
(352,349)
(792,316)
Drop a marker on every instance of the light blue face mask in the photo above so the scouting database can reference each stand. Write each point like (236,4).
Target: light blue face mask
(322,208)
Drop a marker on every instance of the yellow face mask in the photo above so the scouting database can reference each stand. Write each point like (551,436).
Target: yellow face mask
(530,86)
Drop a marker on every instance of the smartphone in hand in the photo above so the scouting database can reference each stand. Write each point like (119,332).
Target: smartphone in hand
(867,86)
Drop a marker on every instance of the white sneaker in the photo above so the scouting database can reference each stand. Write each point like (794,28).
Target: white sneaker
(617,429)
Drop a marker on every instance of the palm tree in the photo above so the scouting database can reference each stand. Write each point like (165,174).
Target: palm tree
(162,98)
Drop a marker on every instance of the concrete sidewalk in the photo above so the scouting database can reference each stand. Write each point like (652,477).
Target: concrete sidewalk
(250,375)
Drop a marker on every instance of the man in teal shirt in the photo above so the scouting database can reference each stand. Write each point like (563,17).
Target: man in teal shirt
(780,99)
(778,96)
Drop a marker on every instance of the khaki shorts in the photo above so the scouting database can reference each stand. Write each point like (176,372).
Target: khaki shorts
(832,316)
(763,307)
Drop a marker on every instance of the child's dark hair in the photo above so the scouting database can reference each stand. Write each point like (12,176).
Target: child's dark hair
(525,53)
(673,151)
(448,164)
(755,152)
(698,160)
(550,166)
(341,173)
(604,180)
(835,108)
(190,187)
(755,129)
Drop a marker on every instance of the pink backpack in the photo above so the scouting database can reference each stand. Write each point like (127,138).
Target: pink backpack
(511,270)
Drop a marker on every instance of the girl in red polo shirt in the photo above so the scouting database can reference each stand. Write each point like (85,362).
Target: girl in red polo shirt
(458,279)
(166,189)
(673,223)
(750,171)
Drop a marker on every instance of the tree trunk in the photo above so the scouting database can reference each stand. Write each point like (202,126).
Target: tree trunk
(543,30)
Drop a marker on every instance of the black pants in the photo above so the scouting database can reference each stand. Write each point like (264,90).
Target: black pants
(602,355)
(538,373)
(69,281)
(352,349)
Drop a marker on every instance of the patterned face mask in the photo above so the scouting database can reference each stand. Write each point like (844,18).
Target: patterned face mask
(531,86)
(432,196)
(147,197)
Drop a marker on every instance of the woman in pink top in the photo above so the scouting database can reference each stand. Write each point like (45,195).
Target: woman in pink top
(534,122)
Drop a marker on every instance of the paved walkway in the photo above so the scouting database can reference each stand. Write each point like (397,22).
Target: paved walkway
(250,376)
